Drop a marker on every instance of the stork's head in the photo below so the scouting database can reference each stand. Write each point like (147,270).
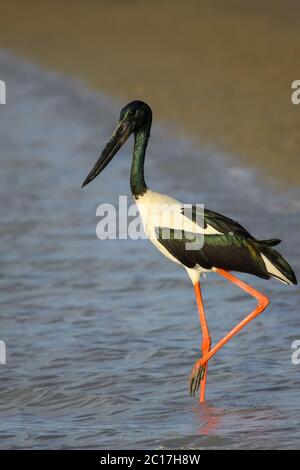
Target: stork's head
(132,118)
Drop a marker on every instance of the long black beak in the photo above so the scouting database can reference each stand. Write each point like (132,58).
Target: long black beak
(118,138)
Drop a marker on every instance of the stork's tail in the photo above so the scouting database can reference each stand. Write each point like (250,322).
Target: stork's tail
(276,265)
(270,242)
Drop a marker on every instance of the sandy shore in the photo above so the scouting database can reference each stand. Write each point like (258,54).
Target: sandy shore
(220,71)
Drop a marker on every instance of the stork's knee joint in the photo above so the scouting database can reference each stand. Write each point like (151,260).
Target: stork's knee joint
(264,302)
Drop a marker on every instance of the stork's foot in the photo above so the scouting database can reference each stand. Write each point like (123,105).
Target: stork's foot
(196,377)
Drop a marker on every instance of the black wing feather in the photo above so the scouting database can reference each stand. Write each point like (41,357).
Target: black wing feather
(232,253)
(219,222)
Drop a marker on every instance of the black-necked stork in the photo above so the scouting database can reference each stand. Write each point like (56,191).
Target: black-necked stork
(226,245)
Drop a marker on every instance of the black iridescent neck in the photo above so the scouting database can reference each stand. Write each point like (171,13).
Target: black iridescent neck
(137,179)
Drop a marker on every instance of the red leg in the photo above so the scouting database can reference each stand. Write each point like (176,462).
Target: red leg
(263,302)
(206,340)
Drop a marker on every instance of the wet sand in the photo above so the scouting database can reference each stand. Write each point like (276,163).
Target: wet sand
(220,71)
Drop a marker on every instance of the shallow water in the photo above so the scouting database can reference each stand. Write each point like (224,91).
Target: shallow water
(101,336)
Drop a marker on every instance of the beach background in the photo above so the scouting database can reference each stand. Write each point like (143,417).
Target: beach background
(101,335)
(218,71)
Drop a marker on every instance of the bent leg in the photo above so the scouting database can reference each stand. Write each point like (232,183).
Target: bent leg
(263,302)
